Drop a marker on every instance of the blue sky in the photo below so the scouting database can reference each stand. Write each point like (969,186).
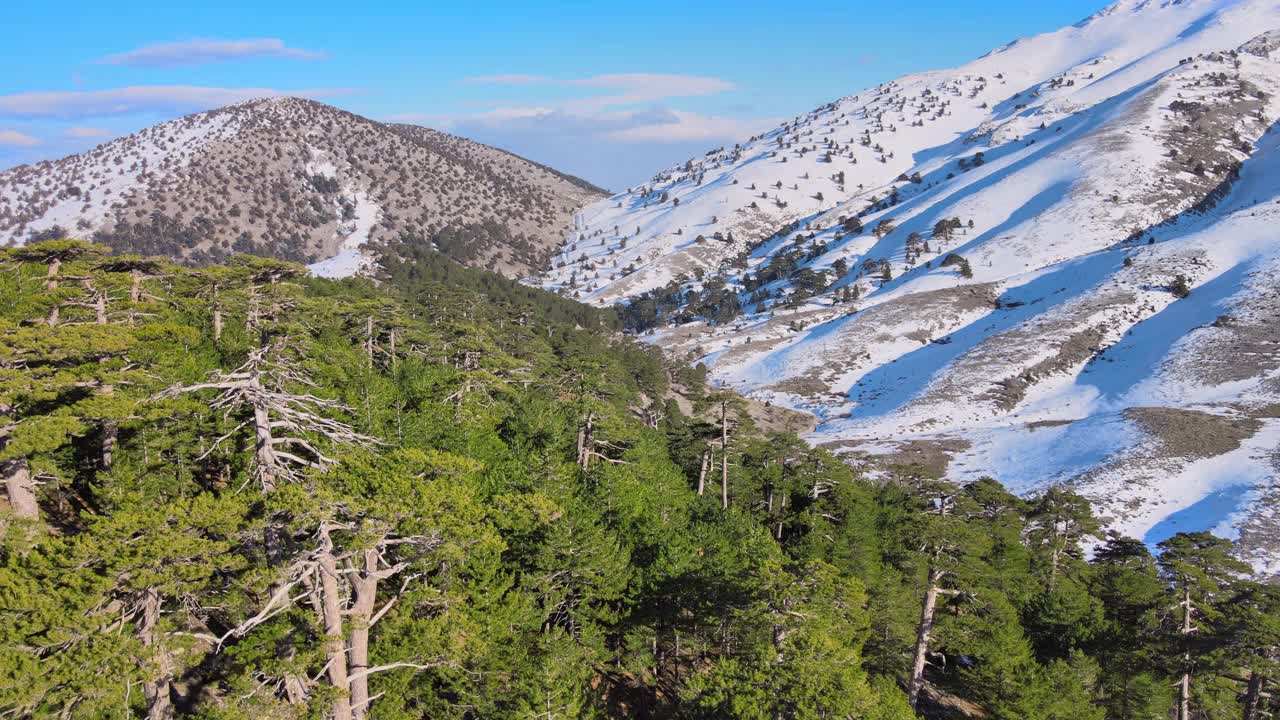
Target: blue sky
(608,91)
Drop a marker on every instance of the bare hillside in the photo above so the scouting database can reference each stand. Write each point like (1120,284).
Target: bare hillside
(299,180)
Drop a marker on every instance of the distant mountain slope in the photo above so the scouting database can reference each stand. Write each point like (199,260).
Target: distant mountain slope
(1053,264)
(298,180)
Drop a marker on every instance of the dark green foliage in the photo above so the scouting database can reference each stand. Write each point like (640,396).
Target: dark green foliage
(469,242)
(959,262)
(500,495)
(418,267)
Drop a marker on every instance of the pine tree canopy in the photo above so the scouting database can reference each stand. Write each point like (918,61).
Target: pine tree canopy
(241,492)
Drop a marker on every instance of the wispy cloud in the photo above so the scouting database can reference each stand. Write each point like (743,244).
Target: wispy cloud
(686,126)
(142,98)
(199,51)
(651,125)
(632,88)
(613,148)
(81,132)
(629,111)
(14,138)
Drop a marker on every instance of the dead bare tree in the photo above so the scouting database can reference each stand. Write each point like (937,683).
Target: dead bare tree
(53,255)
(1184,682)
(19,485)
(724,454)
(591,447)
(341,585)
(269,282)
(941,552)
(708,458)
(286,423)
(139,270)
(156,689)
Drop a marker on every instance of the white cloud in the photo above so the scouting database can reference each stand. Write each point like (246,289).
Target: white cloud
(652,125)
(81,133)
(686,126)
(545,118)
(633,88)
(658,83)
(141,98)
(614,148)
(15,138)
(630,114)
(198,51)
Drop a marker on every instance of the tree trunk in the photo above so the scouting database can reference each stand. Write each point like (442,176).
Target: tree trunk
(217,323)
(331,614)
(1253,696)
(585,441)
(297,686)
(365,591)
(110,433)
(1184,697)
(1184,686)
(275,300)
(780,633)
(923,634)
(368,339)
(724,455)
(51,284)
(702,473)
(159,705)
(782,511)
(51,275)
(135,287)
(262,444)
(251,316)
(21,488)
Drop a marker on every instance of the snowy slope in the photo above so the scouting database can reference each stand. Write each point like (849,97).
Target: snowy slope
(1022,310)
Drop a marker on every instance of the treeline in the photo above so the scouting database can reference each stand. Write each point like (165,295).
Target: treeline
(239,492)
(413,264)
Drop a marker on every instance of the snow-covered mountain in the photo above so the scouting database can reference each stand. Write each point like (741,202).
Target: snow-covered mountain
(299,180)
(1056,263)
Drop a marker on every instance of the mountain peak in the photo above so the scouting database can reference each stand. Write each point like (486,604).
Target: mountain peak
(1016,266)
(300,180)
(1135,6)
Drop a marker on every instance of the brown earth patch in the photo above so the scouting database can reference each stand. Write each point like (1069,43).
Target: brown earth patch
(1047,424)
(1190,433)
(807,385)
(775,418)
(928,456)
(1074,350)
(767,417)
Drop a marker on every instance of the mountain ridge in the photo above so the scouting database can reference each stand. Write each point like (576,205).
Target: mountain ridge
(298,180)
(945,268)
